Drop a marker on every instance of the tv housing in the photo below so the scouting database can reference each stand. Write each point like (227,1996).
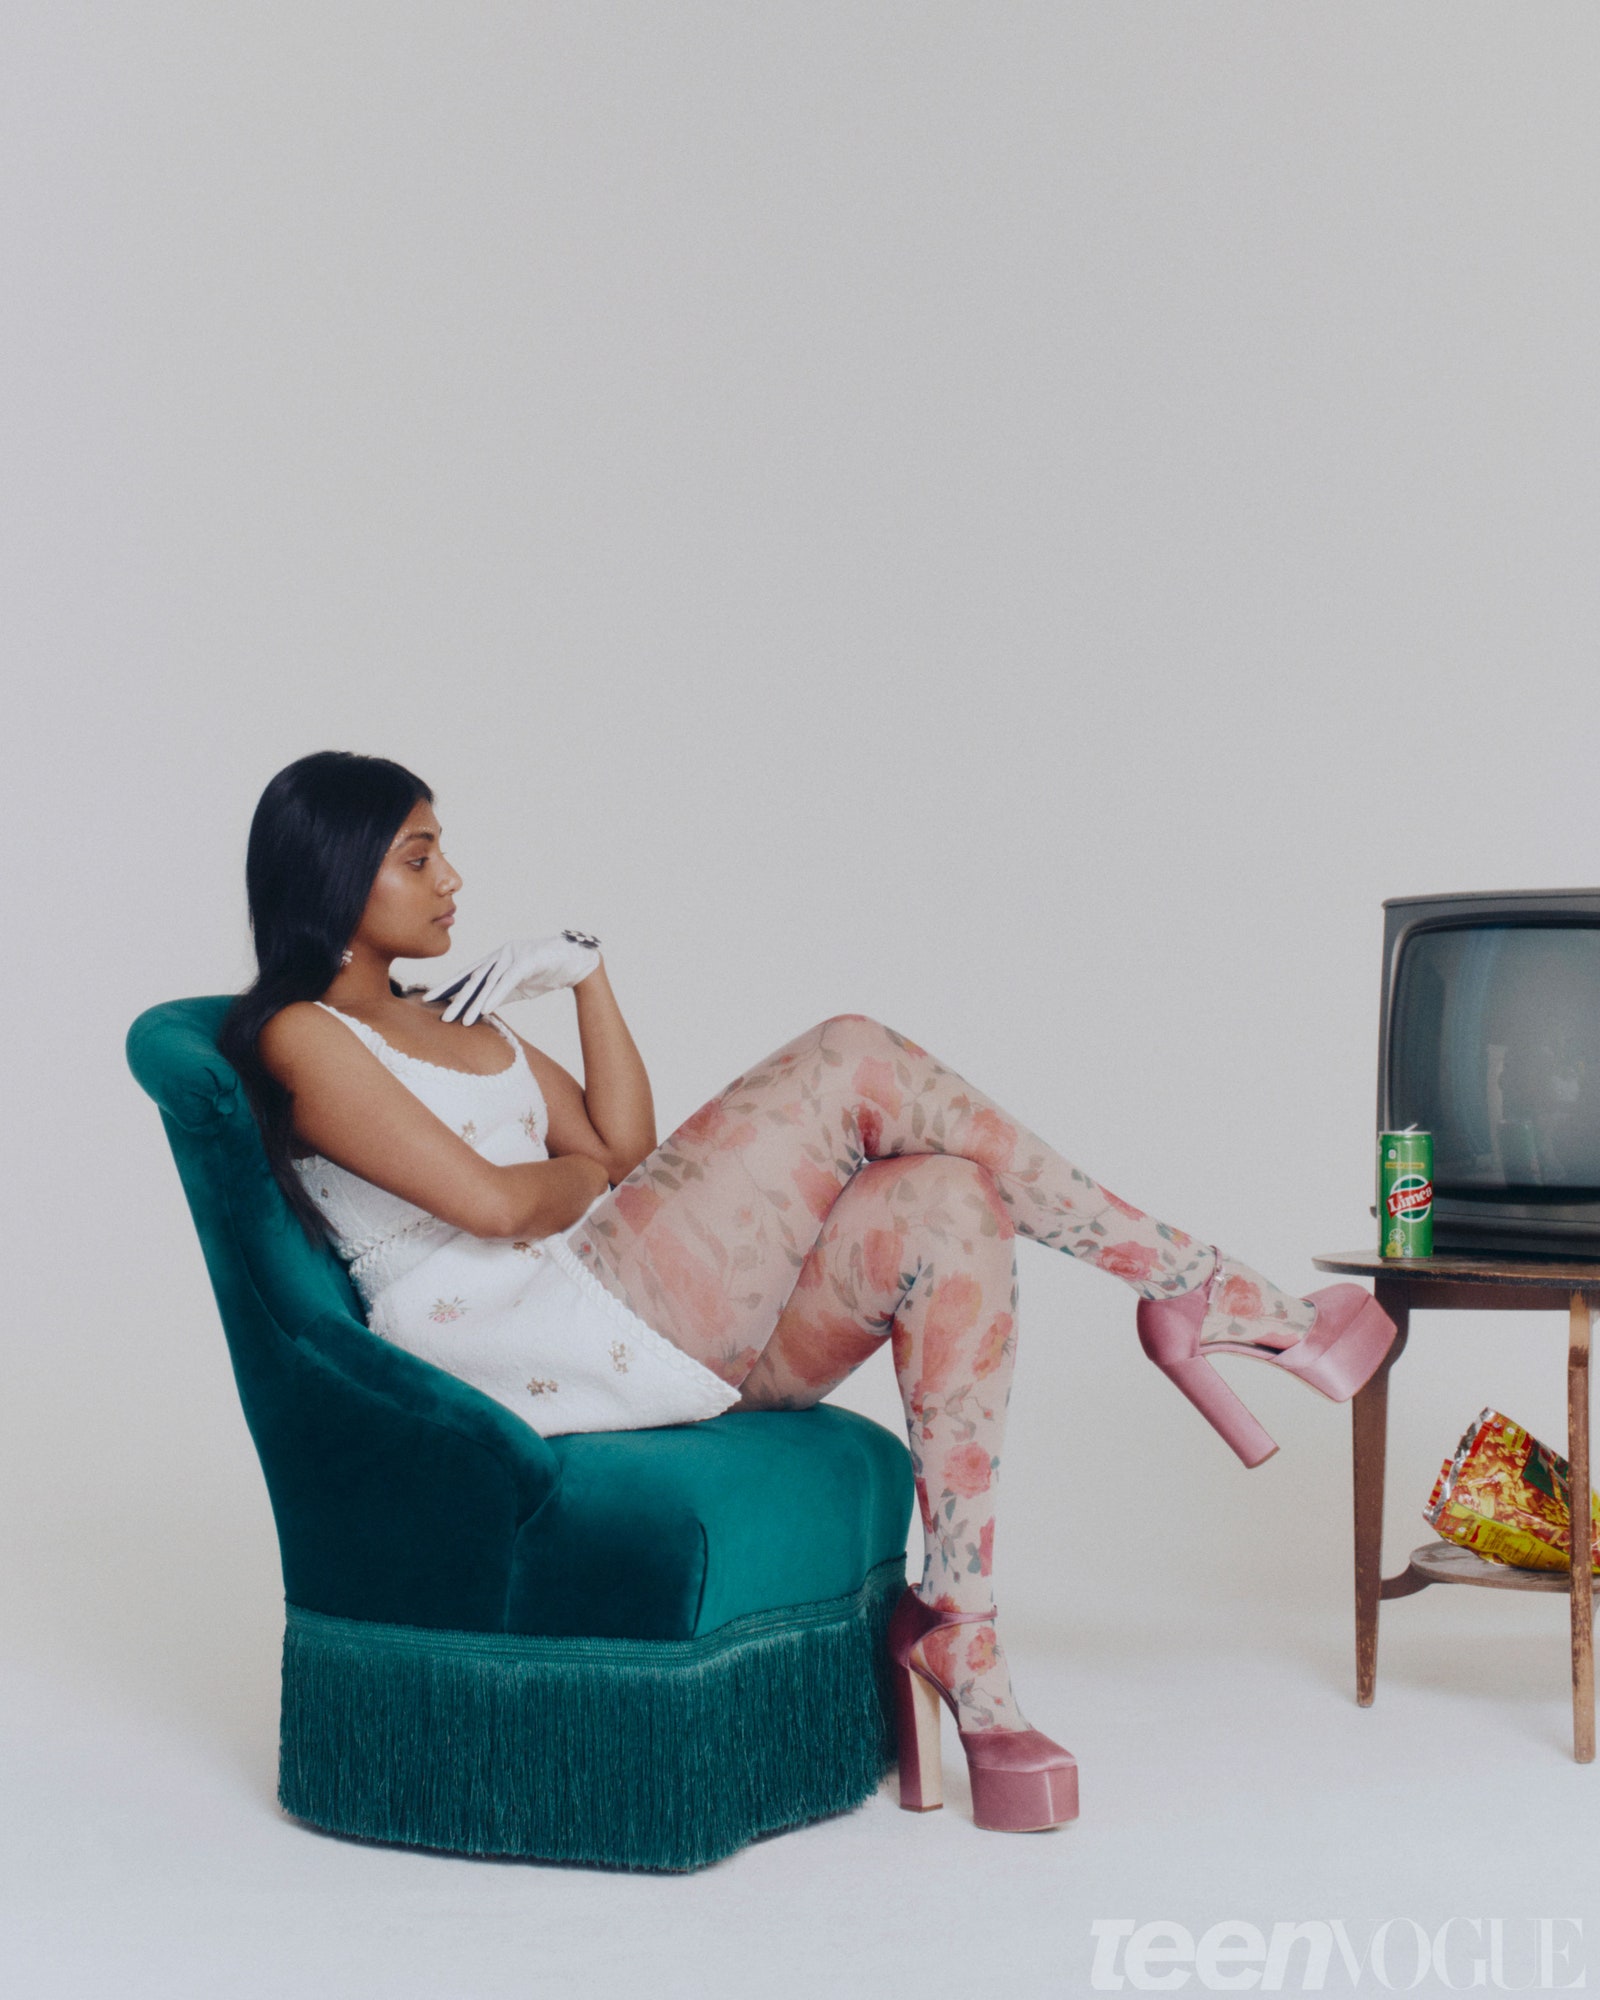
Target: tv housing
(1489,1038)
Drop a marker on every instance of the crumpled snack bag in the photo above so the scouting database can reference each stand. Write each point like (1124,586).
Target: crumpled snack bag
(1507,1497)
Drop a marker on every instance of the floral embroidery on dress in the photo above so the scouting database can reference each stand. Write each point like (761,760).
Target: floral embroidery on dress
(444,1310)
(525,1248)
(538,1388)
(469,1131)
(529,1121)
(619,1356)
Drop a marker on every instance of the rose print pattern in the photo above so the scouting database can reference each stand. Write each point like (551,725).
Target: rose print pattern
(731,1240)
(919,1251)
(445,1310)
(1244,1306)
(705,1236)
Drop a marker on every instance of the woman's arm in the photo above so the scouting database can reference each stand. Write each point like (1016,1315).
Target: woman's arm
(352,1111)
(609,1117)
(616,1090)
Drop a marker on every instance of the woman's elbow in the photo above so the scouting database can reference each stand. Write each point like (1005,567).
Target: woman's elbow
(495,1209)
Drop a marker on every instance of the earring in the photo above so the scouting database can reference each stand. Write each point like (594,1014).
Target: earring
(345,957)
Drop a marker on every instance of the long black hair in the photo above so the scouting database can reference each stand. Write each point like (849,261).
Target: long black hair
(318,838)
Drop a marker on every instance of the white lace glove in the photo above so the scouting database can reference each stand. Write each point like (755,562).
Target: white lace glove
(517,971)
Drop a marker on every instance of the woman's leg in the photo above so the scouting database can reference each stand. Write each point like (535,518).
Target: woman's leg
(920,1251)
(705,1237)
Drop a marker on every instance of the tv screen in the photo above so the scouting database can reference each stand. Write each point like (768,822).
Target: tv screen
(1496,1051)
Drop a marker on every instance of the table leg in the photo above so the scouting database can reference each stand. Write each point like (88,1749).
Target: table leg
(1582,1531)
(1369,1430)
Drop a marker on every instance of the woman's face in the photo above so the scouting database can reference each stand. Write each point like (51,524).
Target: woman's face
(412,903)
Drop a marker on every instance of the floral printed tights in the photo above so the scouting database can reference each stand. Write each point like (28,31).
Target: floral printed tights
(851,1189)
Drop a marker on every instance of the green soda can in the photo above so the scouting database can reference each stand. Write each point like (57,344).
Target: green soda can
(1405,1193)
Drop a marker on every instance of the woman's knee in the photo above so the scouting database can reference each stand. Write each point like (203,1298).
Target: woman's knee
(929,1186)
(857,1035)
(950,1175)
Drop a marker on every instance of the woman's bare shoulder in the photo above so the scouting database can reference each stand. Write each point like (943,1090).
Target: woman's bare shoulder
(293,1023)
(298,1033)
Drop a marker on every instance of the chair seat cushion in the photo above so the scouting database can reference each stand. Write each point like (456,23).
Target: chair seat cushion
(671,1533)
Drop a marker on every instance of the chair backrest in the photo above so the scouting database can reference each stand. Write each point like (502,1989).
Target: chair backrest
(247,1230)
(397,1488)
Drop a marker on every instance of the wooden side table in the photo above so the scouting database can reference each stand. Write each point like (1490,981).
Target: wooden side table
(1484,1284)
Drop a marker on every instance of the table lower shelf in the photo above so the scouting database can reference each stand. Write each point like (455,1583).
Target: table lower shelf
(1446,1562)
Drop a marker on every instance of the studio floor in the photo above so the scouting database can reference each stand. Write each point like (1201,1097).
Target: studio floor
(1226,1774)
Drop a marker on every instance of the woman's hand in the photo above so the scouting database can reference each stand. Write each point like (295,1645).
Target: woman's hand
(517,971)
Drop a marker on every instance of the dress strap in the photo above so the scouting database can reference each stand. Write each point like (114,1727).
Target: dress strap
(511,1035)
(389,1055)
(369,1036)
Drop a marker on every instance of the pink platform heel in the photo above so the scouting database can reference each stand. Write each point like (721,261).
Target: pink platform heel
(1345,1347)
(1021,1781)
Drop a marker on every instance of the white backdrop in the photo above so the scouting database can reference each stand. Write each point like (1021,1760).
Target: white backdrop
(1027,522)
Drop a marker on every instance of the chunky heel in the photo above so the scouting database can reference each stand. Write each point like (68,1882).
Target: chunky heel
(1169,1332)
(1022,1782)
(916,1722)
(1199,1381)
(1349,1338)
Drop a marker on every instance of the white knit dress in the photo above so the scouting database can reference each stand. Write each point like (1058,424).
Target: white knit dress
(524,1320)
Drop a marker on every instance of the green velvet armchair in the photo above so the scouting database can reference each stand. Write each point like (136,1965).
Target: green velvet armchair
(639,1649)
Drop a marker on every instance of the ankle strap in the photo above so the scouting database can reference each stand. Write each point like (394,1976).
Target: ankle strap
(963,1617)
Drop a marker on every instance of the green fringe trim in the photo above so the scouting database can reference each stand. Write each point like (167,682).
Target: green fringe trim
(624,1753)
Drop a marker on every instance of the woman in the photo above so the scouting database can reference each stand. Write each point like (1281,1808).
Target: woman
(530,1235)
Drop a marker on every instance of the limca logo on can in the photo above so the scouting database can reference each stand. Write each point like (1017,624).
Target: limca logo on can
(1405,1193)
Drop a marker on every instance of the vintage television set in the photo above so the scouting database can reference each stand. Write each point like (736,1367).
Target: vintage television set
(1490,1039)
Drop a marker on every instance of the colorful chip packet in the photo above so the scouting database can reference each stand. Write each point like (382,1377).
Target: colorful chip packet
(1507,1497)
